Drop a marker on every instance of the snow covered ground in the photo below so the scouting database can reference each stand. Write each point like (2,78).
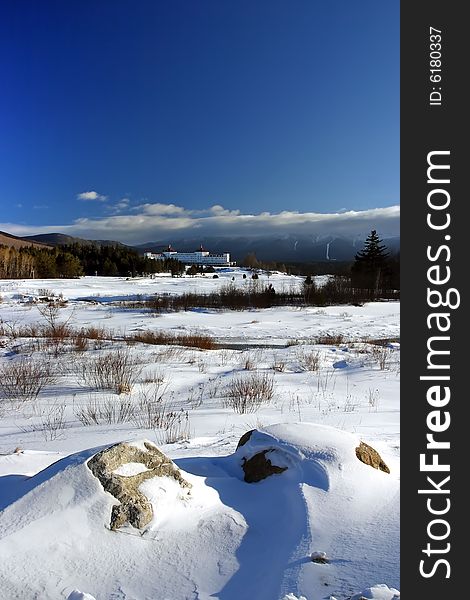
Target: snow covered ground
(233,540)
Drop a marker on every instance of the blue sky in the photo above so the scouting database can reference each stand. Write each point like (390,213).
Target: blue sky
(122,108)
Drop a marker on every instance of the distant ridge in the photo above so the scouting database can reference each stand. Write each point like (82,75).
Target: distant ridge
(12,241)
(289,248)
(61,239)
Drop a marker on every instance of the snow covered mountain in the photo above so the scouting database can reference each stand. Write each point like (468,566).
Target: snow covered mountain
(290,248)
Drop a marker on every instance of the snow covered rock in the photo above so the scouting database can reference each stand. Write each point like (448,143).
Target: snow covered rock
(369,456)
(212,542)
(378,592)
(108,466)
(78,595)
(245,438)
(260,467)
(319,557)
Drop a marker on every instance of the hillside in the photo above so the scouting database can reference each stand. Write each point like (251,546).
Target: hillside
(6,239)
(60,239)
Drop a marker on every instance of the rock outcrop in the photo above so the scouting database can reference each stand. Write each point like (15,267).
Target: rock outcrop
(259,467)
(371,457)
(245,438)
(134,507)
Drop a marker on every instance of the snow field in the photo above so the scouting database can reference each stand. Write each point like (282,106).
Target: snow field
(221,543)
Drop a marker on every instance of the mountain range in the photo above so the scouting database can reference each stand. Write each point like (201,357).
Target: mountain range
(291,248)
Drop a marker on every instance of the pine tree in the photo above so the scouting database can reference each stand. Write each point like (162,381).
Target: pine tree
(369,264)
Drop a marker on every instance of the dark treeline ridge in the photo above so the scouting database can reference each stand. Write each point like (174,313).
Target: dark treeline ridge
(76,260)
(373,267)
(323,267)
(119,261)
(299,268)
(338,290)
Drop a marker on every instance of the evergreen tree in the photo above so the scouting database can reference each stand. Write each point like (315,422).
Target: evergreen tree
(251,261)
(192,270)
(309,288)
(367,270)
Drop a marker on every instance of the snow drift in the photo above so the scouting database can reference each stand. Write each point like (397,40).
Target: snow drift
(226,539)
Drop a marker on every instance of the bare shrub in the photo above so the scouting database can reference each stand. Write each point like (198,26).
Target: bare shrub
(174,428)
(201,365)
(213,388)
(155,376)
(150,407)
(248,364)
(224,357)
(54,332)
(196,340)
(24,379)
(9,329)
(107,410)
(46,293)
(52,423)
(383,355)
(116,371)
(373,397)
(172,354)
(153,412)
(50,313)
(279,365)
(349,404)
(308,360)
(163,338)
(245,394)
(330,340)
(80,342)
(89,413)
(96,333)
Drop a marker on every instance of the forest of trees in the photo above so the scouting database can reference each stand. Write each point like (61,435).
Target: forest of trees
(374,268)
(374,273)
(76,260)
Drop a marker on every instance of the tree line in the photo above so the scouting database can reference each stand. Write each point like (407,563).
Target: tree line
(75,260)
(374,269)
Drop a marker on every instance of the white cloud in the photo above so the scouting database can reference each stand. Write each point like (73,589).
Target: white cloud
(119,207)
(220,211)
(151,222)
(91,196)
(159,209)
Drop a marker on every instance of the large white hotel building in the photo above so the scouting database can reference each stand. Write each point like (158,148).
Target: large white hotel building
(200,257)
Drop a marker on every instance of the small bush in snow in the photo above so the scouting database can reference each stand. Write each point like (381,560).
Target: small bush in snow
(107,410)
(51,424)
(24,379)
(246,394)
(308,360)
(190,340)
(330,340)
(279,365)
(174,428)
(116,371)
(373,397)
(383,355)
(150,407)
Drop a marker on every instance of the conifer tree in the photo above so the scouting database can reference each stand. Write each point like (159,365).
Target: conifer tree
(369,264)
